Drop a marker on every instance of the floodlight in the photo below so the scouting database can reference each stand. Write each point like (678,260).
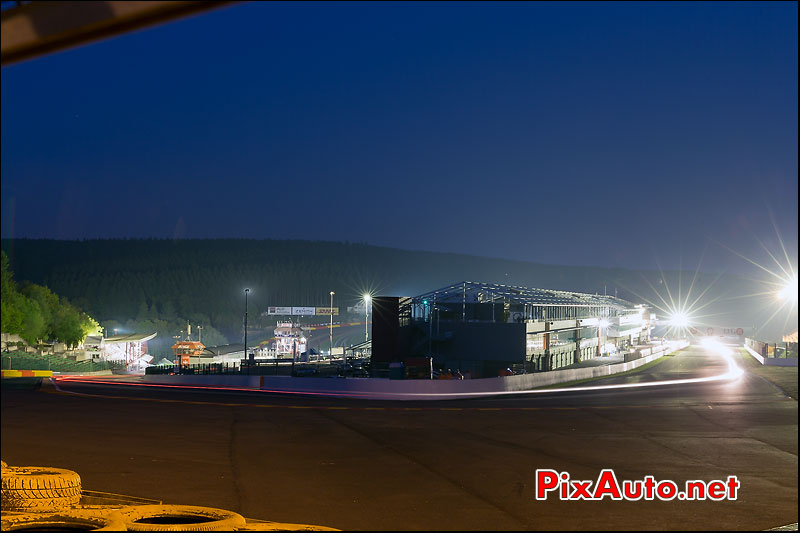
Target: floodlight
(789,291)
(679,319)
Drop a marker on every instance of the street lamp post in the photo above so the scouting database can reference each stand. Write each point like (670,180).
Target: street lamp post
(428,310)
(250,359)
(367,299)
(330,354)
(178,362)
(601,325)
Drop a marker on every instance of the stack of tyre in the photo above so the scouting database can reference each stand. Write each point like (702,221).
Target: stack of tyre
(43,497)
(31,488)
(49,498)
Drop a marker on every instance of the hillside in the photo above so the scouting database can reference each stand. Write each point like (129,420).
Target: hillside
(202,280)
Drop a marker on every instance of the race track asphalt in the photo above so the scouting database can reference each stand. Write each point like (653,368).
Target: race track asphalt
(448,465)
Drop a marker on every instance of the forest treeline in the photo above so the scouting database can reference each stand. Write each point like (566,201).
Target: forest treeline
(163,284)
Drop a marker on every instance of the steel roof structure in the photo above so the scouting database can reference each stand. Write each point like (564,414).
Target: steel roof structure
(131,337)
(532,303)
(491,292)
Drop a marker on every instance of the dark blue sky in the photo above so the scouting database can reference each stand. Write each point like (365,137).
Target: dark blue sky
(590,133)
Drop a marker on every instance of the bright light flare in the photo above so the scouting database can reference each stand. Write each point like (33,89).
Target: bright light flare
(713,345)
(717,348)
(679,320)
(789,291)
(781,285)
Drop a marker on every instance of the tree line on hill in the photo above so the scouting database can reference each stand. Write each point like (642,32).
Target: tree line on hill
(146,285)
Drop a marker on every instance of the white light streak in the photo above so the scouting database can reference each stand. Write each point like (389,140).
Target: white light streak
(733,373)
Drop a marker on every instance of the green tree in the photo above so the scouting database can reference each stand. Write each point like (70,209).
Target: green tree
(48,305)
(89,326)
(167,311)
(212,337)
(144,312)
(33,324)
(10,316)
(6,282)
(67,327)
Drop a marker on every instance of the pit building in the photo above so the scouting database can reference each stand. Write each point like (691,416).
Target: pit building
(485,328)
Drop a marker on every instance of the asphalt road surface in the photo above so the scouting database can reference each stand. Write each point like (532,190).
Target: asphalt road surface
(343,336)
(439,465)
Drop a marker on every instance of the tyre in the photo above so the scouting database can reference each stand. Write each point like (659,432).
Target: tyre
(263,525)
(69,519)
(31,488)
(180,518)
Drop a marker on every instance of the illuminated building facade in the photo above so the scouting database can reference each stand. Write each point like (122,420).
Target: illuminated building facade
(486,328)
(291,339)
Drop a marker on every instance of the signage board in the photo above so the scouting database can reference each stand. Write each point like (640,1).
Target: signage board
(303,311)
(279,310)
(327,310)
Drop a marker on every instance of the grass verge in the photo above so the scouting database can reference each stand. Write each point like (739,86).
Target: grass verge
(783,377)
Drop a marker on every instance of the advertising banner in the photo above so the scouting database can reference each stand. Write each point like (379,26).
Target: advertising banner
(731,332)
(327,310)
(280,311)
(303,311)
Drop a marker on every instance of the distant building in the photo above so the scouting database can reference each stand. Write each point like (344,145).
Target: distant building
(486,328)
(92,347)
(130,349)
(184,351)
(225,353)
(291,340)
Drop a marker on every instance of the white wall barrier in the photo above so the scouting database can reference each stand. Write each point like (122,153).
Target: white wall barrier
(412,389)
(770,361)
(211,380)
(95,373)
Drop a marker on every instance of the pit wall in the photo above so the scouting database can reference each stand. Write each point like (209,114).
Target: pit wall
(418,389)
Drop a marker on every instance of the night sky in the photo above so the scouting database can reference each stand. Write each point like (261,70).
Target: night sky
(619,134)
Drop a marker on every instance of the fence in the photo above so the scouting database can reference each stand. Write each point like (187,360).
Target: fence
(203,369)
(261,368)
